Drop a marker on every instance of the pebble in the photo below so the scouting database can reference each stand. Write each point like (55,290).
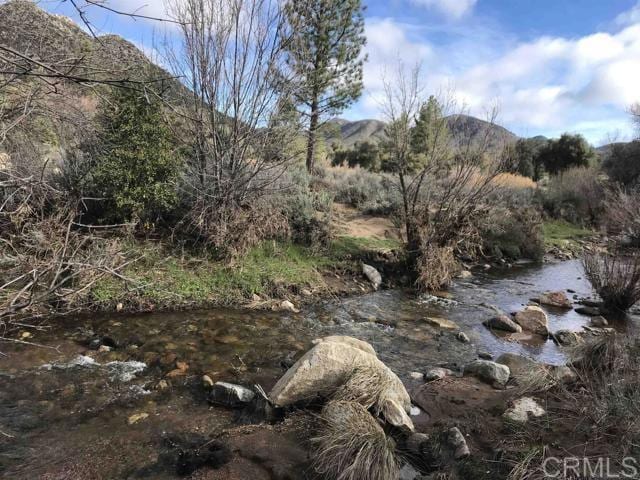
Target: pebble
(137,418)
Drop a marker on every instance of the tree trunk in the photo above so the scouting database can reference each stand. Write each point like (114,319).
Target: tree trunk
(313,127)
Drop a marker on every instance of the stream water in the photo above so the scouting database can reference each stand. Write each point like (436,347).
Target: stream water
(67,412)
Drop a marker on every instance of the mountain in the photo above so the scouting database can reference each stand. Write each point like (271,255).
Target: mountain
(57,41)
(462,128)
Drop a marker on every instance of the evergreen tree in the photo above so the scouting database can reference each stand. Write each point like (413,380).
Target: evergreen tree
(566,152)
(325,57)
(136,170)
(429,135)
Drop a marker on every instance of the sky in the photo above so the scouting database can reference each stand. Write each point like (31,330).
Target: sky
(551,66)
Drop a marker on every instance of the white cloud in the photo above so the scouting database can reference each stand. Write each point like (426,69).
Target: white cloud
(548,84)
(629,17)
(451,8)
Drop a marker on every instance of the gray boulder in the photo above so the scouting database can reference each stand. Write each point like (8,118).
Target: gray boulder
(230,395)
(372,275)
(504,323)
(489,372)
(533,319)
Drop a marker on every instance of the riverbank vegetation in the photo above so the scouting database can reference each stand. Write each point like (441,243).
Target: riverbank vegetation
(220,186)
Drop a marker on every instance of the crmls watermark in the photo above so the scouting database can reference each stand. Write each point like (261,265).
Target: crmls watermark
(600,468)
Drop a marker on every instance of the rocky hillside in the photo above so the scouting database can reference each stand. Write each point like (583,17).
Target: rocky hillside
(57,41)
(462,127)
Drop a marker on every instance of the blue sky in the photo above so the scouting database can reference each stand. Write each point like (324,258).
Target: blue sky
(550,65)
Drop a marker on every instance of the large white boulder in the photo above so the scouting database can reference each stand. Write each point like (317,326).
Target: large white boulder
(328,365)
(372,275)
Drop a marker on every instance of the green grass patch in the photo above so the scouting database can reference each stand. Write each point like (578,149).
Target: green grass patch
(560,233)
(165,278)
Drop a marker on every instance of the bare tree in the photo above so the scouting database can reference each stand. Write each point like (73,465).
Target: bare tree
(444,186)
(228,55)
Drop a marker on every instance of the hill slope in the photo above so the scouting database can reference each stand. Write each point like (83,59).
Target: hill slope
(57,41)
(462,128)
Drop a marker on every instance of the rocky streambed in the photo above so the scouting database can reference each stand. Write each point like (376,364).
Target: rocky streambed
(129,396)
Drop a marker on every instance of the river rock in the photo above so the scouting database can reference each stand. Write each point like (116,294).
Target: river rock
(491,372)
(286,305)
(555,299)
(533,319)
(230,395)
(504,323)
(325,367)
(416,375)
(372,275)
(599,322)
(463,337)
(441,323)
(589,311)
(458,443)
(437,374)
(567,338)
(519,365)
(523,409)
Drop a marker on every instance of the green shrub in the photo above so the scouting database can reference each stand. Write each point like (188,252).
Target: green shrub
(369,192)
(136,168)
(514,233)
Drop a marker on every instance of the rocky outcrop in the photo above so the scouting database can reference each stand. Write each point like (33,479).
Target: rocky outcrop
(490,372)
(372,275)
(504,323)
(555,299)
(533,319)
(328,366)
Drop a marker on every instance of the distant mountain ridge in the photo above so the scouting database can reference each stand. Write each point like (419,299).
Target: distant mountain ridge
(462,127)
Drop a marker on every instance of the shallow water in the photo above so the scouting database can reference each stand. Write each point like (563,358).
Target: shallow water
(64,412)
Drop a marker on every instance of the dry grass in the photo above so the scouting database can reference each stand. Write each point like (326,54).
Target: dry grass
(366,386)
(609,403)
(514,181)
(436,266)
(616,278)
(351,445)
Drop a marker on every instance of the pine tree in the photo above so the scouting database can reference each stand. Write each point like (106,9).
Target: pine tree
(136,170)
(325,57)
(429,136)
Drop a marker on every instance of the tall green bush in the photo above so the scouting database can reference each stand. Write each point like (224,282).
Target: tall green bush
(137,168)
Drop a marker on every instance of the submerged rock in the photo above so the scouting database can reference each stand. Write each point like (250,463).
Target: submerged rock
(588,311)
(533,319)
(523,409)
(504,323)
(133,419)
(372,275)
(555,299)
(230,395)
(490,372)
(463,337)
(441,323)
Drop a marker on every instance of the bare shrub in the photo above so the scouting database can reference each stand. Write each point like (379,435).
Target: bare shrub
(444,184)
(49,261)
(353,446)
(616,278)
(241,128)
(622,217)
(575,195)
